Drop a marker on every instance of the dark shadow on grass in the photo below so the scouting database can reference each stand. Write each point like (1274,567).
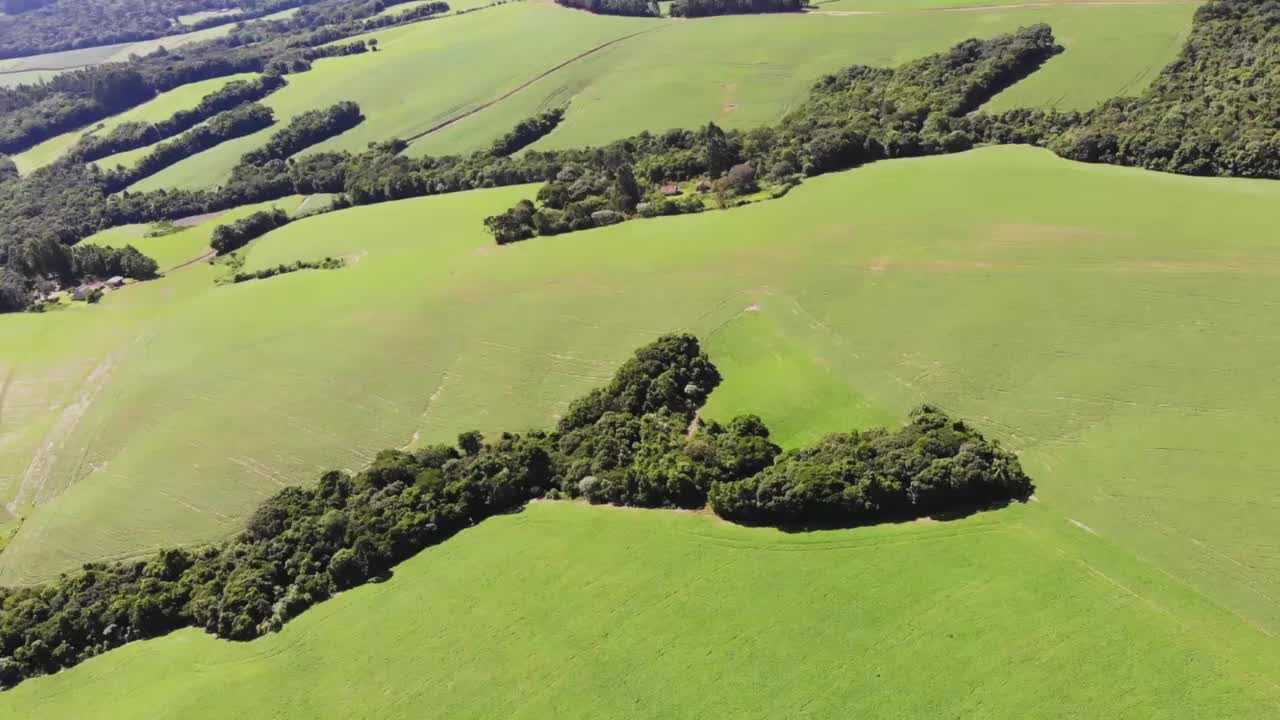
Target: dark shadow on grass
(389,573)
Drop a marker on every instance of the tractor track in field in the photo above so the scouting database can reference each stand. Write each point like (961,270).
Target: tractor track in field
(490,103)
(42,69)
(1008,6)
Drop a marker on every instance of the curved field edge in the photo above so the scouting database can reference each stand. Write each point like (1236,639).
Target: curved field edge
(565,610)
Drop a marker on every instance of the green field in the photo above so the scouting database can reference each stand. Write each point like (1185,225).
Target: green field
(1111,326)
(1113,340)
(737,71)
(570,611)
(172,250)
(916,6)
(160,108)
(196,17)
(119,52)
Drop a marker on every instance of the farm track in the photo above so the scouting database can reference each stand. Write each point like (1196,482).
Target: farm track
(65,68)
(192,261)
(488,104)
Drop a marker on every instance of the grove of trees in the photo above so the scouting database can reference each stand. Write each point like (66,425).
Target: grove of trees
(305,130)
(634,441)
(706,8)
(858,115)
(229,238)
(527,132)
(133,135)
(237,122)
(630,8)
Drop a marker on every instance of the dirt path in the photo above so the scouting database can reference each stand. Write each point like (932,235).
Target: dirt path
(40,469)
(192,261)
(442,125)
(1009,6)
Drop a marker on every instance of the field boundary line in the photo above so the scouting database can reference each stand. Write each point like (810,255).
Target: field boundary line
(490,103)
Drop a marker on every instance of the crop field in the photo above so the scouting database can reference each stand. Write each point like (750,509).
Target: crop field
(570,611)
(947,6)
(157,109)
(34,68)
(119,52)
(1112,327)
(1113,340)
(413,81)
(620,76)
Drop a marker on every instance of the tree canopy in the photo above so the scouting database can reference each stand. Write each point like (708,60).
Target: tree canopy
(636,441)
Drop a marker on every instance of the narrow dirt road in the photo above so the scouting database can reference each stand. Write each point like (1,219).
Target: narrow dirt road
(490,103)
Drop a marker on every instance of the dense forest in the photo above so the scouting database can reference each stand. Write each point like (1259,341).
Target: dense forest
(1214,111)
(636,441)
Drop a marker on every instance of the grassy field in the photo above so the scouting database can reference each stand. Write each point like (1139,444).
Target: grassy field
(160,108)
(914,6)
(119,52)
(738,71)
(412,82)
(173,250)
(568,611)
(196,17)
(1112,340)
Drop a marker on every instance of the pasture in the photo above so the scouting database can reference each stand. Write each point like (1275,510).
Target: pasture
(1112,340)
(565,610)
(160,108)
(620,76)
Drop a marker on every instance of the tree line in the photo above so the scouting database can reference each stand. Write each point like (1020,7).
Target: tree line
(527,132)
(32,113)
(235,123)
(858,115)
(629,8)
(57,25)
(707,8)
(133,135)
(629,442)
(232,237)
(305,130)
(329,263)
